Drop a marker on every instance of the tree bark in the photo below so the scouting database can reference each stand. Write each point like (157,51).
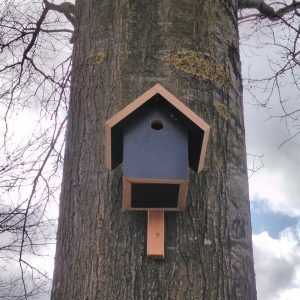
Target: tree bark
(122,48)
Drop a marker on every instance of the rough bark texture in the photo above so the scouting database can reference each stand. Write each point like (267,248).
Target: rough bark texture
(122,48)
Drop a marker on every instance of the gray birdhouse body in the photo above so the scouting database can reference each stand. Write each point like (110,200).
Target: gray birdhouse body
(155,145)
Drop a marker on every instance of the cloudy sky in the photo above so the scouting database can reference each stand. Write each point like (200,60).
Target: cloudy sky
(275,187)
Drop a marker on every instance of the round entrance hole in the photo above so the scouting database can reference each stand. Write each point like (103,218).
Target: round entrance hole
(157,124)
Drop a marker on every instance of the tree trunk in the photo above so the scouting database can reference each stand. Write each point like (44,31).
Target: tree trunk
(122,48)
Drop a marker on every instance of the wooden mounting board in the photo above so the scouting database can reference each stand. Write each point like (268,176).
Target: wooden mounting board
(156,234)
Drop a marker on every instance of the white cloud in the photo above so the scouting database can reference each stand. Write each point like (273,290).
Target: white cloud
(277,265)
(273,187)
(290,294)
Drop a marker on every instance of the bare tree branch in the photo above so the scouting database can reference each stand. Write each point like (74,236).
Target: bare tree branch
(35,67)
(267,11)
(276,31)
(66,8)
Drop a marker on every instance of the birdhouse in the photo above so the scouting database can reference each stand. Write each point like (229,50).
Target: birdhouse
(157,138)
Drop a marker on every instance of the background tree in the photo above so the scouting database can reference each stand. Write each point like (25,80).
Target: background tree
(120,50)
(35,67)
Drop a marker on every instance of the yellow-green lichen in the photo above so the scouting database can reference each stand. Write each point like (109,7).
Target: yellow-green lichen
(97,58)
(200,64)
(222,110)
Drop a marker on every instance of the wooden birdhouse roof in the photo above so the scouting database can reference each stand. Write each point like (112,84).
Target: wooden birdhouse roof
(198,129)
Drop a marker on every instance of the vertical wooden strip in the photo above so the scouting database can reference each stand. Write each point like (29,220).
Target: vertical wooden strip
(183,189)
(108,160)
(126,194)
(156,234)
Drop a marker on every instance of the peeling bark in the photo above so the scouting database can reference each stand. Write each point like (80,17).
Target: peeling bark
(101,252)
